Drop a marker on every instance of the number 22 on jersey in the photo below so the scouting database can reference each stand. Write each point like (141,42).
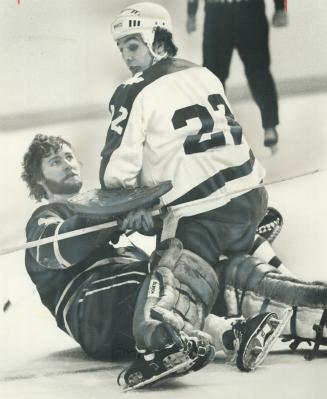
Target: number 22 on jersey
(195,143)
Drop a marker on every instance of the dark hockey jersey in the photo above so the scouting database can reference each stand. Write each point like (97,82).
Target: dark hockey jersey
(59,268)
(52,266)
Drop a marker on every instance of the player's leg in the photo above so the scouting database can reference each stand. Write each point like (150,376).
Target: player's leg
(251,286)
(169,314)
(99,313)
(248,341)
(223,231)
(253,47)
(218,39)
(267,231)
(262,250)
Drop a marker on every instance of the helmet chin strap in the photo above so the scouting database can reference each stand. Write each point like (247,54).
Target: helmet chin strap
(157,57)
(149,40)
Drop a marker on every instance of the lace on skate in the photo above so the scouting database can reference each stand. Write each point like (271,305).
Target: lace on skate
(254,338)
(173,361)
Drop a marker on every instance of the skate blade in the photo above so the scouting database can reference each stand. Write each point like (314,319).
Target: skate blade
(188,364)
(273,337)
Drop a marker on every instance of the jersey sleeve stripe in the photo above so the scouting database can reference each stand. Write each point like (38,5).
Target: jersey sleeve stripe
(63,262)
(117,275)
(112,286)
(46,252)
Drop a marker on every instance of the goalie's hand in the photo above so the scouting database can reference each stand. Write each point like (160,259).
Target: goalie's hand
(140,220)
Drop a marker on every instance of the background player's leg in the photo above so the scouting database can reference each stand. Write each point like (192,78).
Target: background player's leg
(218,40)
(252,44)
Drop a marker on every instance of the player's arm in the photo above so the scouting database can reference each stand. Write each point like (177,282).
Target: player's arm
(280,4)
(122,156)
(142,221)
(192,7)
(63,253)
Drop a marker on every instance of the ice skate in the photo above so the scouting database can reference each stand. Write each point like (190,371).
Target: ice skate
(254,338)
(271,139)
(271,225)
(173,361)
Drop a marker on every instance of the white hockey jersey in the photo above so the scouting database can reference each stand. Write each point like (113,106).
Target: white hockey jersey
(173,122)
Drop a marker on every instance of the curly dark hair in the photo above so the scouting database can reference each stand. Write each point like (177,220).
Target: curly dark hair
(40,147)
(165,37)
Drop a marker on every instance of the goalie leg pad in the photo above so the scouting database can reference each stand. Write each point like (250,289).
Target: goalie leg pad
(189,268)
(251,287)
(180,293)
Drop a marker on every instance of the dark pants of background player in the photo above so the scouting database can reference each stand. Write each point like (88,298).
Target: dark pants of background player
(228,230)
(101,315)
(242,25)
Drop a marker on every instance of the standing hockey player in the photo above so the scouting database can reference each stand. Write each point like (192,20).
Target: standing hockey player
(109,299)
(242,25)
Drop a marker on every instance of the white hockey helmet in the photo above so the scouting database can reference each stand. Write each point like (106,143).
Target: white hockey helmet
(141,18)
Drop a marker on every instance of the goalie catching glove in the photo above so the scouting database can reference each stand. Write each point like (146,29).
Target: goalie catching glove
(106,205)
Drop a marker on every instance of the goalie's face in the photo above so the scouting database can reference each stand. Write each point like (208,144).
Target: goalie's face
(61,173)
(135,53)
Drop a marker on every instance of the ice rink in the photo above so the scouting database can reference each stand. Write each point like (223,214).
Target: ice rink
(39,361)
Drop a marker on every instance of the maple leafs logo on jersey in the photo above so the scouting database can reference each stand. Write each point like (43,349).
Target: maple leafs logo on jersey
(50,220)
(137,78)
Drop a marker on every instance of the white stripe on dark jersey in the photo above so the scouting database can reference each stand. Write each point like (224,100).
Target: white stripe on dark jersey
(102,262)
(117,275)
(60,259)
(112,286)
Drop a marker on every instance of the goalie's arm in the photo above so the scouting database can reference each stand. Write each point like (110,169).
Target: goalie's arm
(64,253)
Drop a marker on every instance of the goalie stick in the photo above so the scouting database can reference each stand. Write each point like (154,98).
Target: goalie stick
(74,233)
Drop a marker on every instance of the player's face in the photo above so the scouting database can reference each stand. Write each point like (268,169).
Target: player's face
(61,172)
(135,53)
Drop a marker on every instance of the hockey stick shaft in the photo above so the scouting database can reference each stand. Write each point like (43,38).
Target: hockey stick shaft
(86,230)
(63,236)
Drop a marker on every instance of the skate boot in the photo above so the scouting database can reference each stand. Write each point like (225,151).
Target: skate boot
(271,225)
(271,139)
(173,361)
(254,338)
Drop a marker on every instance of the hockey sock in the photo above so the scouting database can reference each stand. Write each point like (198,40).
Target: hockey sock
(263,250)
